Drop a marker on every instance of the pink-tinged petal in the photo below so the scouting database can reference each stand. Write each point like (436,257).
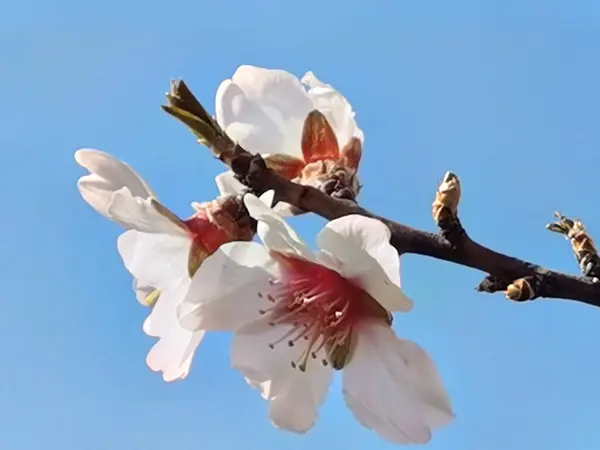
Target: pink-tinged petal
(318,139)
(107,175)
(223,294)
(274,231)
(157,260)
(335,107)
(384,392)
(173,354)
(362,246)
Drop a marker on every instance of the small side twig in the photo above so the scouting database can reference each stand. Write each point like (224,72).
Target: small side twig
(581,241)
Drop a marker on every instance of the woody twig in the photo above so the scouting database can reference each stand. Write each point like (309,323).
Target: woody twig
(520,280)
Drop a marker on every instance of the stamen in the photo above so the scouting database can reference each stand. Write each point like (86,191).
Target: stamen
(322,308)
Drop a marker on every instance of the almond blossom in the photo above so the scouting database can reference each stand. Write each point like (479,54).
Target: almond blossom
(160,250)
(298,315)
(307,134)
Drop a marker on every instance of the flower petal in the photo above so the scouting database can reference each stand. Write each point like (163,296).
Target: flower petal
(427,381)
(335,107)
(158,260)
(362,245)
(228,184)
(163,316)
(223,294)
(141,214)
(294,395)
(174,352)
(264,109)
(274,88)
(384,393)
(246,122)
(275,233)
(107,175)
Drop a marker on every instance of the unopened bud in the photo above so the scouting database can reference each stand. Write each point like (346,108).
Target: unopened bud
(447,197)
(520,290)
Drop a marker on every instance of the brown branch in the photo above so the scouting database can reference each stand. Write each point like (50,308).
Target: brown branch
(520,279)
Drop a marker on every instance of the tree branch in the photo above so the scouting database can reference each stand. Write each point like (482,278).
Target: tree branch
(521,280)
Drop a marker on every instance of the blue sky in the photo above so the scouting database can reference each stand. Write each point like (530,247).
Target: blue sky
(503,93)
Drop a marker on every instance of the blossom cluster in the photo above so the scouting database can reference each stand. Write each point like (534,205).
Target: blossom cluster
(297,315)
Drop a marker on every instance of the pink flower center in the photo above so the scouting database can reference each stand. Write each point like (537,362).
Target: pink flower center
(323,308)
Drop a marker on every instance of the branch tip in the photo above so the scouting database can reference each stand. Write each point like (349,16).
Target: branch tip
(582,243)
(445,209)
(491,284)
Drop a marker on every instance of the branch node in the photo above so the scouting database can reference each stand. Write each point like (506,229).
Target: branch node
(445,209)
(523,289)
(581,242)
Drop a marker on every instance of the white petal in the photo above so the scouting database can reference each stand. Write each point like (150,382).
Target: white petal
(275,233)
(384,393)
(274,88)
(140,214)
(363,247)
(335,107)
(163,317)
(246,122)
(158,260)
(295,396)
(107,175)
(281,209)
(427,381)
(267,198)
(173,353)
(264,110)
(224,292)
(255,354)
(228,184)
(284,209)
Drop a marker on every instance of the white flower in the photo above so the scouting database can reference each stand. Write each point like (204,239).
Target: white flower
(309,135)
(305,314)
(160,250)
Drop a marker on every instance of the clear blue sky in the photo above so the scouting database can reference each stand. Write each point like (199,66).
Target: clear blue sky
(506,94)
